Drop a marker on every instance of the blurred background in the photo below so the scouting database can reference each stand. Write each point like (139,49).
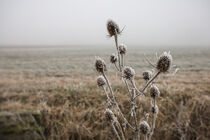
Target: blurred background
(48,82)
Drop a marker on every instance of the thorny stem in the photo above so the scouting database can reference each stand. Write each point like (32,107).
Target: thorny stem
(118,52)
(148,83)
(134,85)
(149,61)
(115,102)
(122,63)
(108,98)
(134,115)
(154,120)
(116,67)
(115,131)
(146,137)
(106,92)
(128,88)
(120,129)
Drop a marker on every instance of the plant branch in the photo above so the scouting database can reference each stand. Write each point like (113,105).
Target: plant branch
(122,63)
(154,120)
(134,115)
(148,61)
(148,83)
(116,67)
(118,52)
(115,102)
(115,131)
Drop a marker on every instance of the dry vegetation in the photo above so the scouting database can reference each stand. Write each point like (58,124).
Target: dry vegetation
(73,107)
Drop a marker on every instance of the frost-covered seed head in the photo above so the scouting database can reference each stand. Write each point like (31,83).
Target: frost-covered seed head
(128,72)
(122,49)
(155,109)
(100,65)
(109,115)
(147,75)
(144,127)
(154,91)
(101,81)
(164,62)
(113,58)
(112,28)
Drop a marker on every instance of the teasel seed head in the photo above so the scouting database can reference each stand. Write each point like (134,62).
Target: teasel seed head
(112,28)
(128,72)
(155,109)
(144,127)
(147,75)
(109,115)
(100,65)
(154,91)
(122,49)
(101,81)
(113,58)
(164,62)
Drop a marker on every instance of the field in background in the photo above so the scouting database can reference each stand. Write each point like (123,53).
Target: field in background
(59,84)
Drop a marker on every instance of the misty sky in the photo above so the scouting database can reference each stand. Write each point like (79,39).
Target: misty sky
(69,22)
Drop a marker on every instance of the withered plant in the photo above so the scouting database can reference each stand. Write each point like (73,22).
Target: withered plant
(127,74)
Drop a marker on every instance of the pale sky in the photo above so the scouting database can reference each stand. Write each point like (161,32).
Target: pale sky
(83,22)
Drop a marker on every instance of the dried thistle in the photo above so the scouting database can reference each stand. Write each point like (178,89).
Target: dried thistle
(100,65)
(128,72)
(109,115)
(164,62)
(144,127)
(113,58)
(112,28)
(154,91)
(147,75)
(155,109)
(101,81)
(122,49)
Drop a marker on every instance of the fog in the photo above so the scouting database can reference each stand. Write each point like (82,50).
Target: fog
(83,22)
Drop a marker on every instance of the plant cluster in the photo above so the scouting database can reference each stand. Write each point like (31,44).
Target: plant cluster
(127,74)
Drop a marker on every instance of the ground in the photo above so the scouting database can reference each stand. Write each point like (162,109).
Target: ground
(59,85)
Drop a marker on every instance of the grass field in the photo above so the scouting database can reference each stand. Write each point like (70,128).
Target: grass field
(60,84)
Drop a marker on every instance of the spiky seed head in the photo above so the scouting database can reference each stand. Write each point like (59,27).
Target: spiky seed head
(113,58)
(112,28)
(155,109)
(164,62)
(101,81)
(147,75)
(109,115)
(122,49)
(154,91)
(100,65)
(144,127)
(128,72)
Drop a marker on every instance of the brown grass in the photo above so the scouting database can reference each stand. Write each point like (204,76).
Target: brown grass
(73,106)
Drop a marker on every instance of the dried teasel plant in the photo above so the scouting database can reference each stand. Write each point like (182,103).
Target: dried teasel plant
(141,128)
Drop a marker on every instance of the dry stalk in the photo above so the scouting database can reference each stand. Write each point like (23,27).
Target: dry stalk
(127,73)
